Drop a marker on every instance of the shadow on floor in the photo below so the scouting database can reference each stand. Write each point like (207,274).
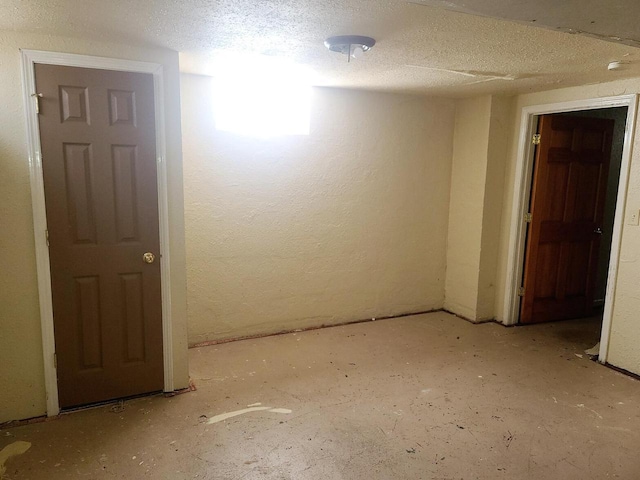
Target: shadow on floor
(581,333)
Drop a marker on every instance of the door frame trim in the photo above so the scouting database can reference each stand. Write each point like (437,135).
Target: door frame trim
(29,59)
(522,192)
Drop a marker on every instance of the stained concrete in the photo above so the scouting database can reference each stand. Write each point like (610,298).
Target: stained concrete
(424,397)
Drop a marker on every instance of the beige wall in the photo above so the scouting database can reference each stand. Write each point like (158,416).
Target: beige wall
(468,175)
(22,393)
(350,222)
(500,126)
(624,349)
(347,223)
(482,127)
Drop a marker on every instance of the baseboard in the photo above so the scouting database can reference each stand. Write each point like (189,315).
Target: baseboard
(208,343)
(475,322)
(26,421)
(622,371)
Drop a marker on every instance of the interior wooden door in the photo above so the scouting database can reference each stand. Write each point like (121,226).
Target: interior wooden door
(567,207)
(97,131)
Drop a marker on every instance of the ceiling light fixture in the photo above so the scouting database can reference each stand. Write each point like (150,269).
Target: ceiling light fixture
(353,46)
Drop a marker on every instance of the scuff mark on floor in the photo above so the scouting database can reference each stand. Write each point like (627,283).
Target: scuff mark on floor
(581,405)
(251,408)
(616,429)
(281,410)
(11,450)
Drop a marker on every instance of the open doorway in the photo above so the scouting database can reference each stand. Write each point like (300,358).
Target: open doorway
(570,219)
(518,229)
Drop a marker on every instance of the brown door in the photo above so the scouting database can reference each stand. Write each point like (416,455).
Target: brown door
(567,206)
(97,132)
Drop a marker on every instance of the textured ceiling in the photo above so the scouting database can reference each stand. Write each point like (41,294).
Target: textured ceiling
(611,20)
(421,49)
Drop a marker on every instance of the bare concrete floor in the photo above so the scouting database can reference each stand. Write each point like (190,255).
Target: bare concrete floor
(423,397)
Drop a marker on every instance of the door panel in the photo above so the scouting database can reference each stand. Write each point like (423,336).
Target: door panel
(124,158)
(567,206)
(97,130)
(87,311)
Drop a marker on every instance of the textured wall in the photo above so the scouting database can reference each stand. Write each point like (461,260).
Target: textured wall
(500,125)
(469,170)
(479,155)
(625,329)
(22,393)
(347,223)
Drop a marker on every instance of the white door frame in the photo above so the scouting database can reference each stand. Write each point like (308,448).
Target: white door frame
(29,59)
(522,191)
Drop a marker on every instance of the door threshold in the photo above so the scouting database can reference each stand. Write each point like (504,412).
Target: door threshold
(117,403)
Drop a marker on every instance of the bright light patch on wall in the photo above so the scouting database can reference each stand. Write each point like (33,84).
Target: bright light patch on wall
(261,96)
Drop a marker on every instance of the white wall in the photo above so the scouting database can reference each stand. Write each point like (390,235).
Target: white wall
(624,350)
(22,393)
(347,223)
(470,147)
(482,128)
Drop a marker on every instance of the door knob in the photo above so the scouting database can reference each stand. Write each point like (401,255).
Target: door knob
(598,231)
(148,257)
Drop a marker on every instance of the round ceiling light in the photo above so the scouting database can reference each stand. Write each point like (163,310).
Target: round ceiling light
(351,45)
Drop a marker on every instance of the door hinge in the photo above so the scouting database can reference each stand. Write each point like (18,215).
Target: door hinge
(55,360)
(521,291)
(536,139)
(46,236)
(528,217)
(37,96)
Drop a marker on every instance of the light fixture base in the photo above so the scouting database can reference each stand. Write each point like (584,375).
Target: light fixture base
(344,43)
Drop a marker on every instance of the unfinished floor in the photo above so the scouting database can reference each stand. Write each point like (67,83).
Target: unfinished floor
(423,397)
